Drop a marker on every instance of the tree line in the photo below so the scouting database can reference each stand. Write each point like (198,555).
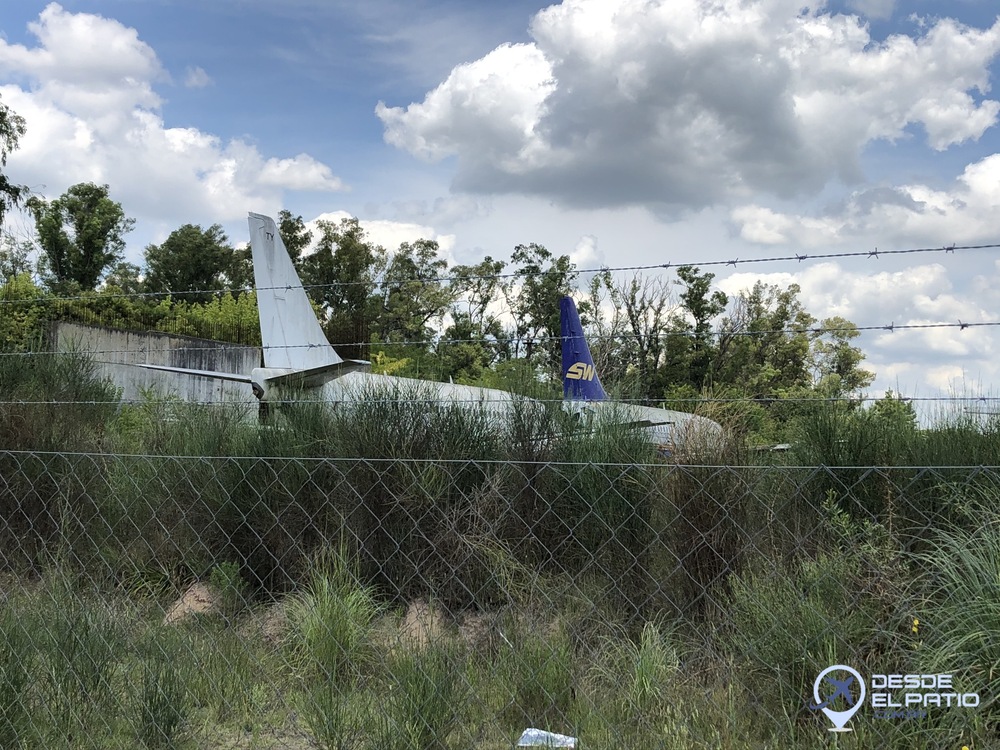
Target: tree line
(495,322)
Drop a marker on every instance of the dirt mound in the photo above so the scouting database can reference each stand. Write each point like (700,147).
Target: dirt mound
(199,599)
(422,624)
(269,624)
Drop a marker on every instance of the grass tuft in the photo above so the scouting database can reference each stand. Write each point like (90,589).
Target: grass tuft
(331,624)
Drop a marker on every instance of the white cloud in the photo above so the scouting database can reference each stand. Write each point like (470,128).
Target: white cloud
(906,214)
(391,234)
(300,173)
(586,253)
(688,103)
(197,78)
(918,294)
(485,110)
(85,63)
(87,94)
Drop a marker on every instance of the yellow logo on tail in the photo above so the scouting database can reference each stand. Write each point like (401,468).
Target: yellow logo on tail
(580,371)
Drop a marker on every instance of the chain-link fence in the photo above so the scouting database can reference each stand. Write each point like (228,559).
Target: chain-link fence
(167,601)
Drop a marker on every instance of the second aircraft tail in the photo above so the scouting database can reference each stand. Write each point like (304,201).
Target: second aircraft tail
(580,379)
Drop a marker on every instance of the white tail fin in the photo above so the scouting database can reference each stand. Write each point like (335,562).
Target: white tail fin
(290,333)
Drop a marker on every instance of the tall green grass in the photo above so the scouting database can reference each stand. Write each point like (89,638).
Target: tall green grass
(431,498)
(52,402)
(881,465)
(48,403)
(17,671)
(959,625)
(332,623)
(425,702)
(163,704)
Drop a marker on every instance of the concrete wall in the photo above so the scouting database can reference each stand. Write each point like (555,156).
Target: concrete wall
(117,353)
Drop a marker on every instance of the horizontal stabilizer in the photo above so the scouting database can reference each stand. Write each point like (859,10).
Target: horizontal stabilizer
(235,377)
(645,423)
(316,376)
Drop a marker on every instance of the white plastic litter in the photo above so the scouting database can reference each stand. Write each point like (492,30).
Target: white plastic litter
(541,738)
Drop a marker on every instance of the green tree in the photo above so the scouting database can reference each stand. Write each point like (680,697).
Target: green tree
(764,343)
(645,305)
(23,313)
(413,293)
(81,234)
(691,341)
(836,363)
(192,262)
(14,257)
(342,276)
(124,278)
(12,127)
(474,341)
(294,234)
(897,414)
(532,296)
(239,275)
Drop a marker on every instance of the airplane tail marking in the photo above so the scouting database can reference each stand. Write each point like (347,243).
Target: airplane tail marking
(580,379)
(581,371)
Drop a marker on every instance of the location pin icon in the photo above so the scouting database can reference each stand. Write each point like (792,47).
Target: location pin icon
(840,718)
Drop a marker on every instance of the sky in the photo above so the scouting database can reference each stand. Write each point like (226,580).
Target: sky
(620,132)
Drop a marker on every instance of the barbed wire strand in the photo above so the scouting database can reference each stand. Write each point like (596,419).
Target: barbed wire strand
(520,340)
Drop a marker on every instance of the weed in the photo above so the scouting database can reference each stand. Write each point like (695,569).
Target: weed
(958,631)
(163,705)
(652,662)
(539,673)
(224,669)
(17,666)
(226,580)
(786,624)
(333,719)
(82,644)
(331,623)
(426,699)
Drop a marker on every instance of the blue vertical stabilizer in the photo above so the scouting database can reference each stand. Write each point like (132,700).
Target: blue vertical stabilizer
(580,380)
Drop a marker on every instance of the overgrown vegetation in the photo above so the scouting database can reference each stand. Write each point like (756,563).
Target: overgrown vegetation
(577,581)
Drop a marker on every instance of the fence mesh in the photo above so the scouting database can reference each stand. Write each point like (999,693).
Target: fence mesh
(169,601)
